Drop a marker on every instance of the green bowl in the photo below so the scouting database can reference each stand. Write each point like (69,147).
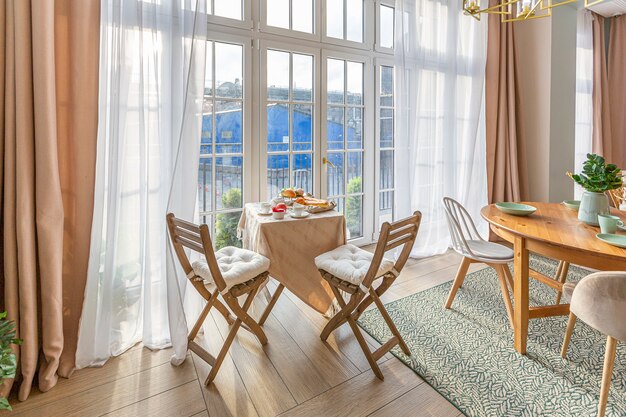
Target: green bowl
(611,239)
(516,209)
(572,204)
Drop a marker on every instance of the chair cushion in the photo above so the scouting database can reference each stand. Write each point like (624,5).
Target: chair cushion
(236,265)
(350,263)
(490,250)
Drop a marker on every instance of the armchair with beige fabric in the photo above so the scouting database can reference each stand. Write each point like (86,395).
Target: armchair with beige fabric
(599,300)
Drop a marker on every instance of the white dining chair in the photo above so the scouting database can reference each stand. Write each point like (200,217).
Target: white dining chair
(599,300)
(467,242)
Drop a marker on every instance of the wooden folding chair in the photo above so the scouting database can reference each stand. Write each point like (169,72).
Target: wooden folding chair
(354,270)
(230,272)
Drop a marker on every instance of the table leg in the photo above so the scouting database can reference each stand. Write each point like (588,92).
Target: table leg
(520,294)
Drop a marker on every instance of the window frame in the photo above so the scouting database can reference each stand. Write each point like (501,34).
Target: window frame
(377,43)
(369,187)
(378,63)
(263,101)
(246,130)
(368,32)
(244,23)
(292,33)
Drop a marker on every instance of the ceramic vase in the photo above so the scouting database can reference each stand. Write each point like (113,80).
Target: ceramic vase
(591,205)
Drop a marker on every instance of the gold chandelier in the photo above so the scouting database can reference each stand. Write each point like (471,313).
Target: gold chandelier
(516,10)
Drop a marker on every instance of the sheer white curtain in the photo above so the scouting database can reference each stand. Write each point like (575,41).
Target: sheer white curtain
(151,86)
(440,58)
(584,90)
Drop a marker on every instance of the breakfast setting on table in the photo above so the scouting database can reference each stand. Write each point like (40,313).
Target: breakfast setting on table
(292,230)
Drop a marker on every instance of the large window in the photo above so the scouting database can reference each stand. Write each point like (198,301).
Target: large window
(220,174)
(344,139)
(289,121)
(291,14)
(345,19)
(386,144)
(287,105)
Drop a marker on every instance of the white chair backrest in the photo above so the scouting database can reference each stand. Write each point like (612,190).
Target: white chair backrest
(461,226)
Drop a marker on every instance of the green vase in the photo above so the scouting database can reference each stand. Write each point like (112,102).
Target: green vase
(591,205)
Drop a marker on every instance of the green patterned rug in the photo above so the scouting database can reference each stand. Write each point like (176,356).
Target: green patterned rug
(467,353)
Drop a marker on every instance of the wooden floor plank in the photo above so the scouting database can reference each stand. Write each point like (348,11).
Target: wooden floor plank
(361,395)
(135,360)
(291,363)
(266,388)
(227,396)
(183,401)
(341,339)
(120,393)
(334,366)
(423,398)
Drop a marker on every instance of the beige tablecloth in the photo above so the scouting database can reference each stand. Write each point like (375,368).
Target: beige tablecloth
(291,246)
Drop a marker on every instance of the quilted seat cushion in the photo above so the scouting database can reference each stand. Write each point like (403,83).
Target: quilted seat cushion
(350,263)
(490,250)
(236,265)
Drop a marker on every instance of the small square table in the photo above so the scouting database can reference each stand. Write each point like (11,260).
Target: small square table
(291,245)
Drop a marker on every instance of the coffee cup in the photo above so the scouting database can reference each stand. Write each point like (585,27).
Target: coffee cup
(298,210)
(609,223)
(265,208)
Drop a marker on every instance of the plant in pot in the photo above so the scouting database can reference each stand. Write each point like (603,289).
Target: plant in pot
(597,178)
(8,361)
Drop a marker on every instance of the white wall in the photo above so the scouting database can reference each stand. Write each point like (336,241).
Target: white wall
(546,71)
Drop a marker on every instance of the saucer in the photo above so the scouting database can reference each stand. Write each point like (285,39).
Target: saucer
(260,213)
(302,216)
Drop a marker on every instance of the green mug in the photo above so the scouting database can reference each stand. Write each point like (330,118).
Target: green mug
(609,223)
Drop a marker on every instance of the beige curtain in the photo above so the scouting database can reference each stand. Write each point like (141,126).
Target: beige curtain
(48,124)
(617,90)
(601,131)
(506,161)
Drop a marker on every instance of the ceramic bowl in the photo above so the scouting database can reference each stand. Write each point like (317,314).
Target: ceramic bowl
(516,209)
(278,215)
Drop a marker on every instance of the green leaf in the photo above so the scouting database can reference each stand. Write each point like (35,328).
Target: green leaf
(4,404)
(597,176)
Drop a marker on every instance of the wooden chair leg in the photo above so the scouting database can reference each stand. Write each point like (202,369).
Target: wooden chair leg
(390,323)
(205,311)
(270,305)
(242,314)
(341,316)
(220,357)
(607,373)
(562,277)
(505,291)
(509,277)
(571,322)
(458,281)
(224,311)
(366,351)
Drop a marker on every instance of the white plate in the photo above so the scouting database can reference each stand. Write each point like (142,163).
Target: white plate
(260,213)
(302,216)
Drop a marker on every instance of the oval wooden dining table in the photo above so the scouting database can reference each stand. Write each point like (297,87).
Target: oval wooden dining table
(553,231)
